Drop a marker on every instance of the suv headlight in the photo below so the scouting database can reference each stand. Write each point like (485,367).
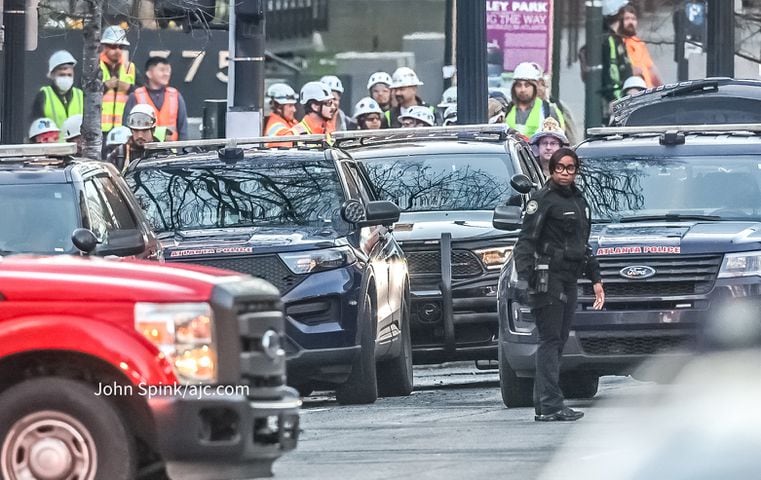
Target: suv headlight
(318,260)
(184,333)
(745,264)
(494,258)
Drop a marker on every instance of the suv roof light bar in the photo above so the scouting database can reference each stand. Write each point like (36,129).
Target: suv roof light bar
(365,137)
(233,142)
(37,150)
(729,127)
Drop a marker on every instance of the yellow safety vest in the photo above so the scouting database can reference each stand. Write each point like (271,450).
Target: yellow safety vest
(114,101)
(55,110)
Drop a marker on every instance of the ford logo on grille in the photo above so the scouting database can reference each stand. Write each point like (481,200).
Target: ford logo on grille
(637,272)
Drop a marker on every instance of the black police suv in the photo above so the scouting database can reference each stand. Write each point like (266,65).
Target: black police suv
(447,185)
(707,101)
(306,221)
(46,196)
(677,231)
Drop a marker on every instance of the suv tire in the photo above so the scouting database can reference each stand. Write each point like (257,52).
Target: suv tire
(74,419)
(516,391)
(362,385)
(579,384)
(395,376)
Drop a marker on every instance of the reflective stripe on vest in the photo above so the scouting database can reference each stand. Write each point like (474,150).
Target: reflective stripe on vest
(167,116)
(615,75)
(114,101)
(533,122)
(55,110)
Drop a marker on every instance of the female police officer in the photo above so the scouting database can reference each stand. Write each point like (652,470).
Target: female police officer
(550,255)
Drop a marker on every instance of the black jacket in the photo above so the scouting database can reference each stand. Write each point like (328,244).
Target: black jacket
(556,225)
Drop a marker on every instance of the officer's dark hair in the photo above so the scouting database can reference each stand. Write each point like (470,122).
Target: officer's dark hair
(153,61)
(563,152)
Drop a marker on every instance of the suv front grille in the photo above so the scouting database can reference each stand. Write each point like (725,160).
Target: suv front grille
(268,267)
(428,262)
(674,276)
(262,369)
(635,345)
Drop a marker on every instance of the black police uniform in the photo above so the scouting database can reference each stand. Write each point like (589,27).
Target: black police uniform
(555,233)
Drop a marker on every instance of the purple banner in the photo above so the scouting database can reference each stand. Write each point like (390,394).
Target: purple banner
(521,30)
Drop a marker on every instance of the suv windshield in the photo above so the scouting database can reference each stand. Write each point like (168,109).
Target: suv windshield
(37,218)
(260,193)
(726,187)
(442,182)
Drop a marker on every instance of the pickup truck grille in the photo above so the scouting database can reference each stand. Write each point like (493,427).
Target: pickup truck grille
(635,344)
(262,334)
(674,276)
(268,267)
(428,262)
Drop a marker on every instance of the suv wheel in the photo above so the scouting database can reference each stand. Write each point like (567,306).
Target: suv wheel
(395,377)
(362,384)
(57,428)
(516,391)
(579,385)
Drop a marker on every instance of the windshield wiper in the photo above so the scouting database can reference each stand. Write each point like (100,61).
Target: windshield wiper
(670,217)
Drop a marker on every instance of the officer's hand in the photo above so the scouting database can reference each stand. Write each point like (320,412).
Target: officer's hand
(599,296)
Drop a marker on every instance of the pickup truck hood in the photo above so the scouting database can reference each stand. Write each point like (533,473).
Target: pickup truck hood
(237,241)
(463,225)
(653,238)
(74,279)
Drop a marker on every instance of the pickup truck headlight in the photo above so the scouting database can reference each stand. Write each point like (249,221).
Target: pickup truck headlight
(745,264)
(494,258)
(318,260)
(184,333)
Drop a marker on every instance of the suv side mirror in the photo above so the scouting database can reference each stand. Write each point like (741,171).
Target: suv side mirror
(507,217)
(382,212)
(123,243)
(521,183)
(84,240)
(352,211)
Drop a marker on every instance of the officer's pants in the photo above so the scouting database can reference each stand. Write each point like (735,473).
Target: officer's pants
(553,321)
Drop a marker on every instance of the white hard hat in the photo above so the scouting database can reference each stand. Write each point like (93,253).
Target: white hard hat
(379,77)
(114,35)
(61,57)
(405,77)
(282,93)
(449,97)
(333,82)
(367,105)
(634,82)
(118,136)
(72,126)
(141,117)
(450,115)
(42,125)
(526,71)
(314,92)
(611,7)
(418,112)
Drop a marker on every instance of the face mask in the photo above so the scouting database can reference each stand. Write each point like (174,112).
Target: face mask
(64,84)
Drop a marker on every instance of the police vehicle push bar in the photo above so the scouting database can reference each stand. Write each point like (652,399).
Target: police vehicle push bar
(729,127)
(234,142)
(38,150)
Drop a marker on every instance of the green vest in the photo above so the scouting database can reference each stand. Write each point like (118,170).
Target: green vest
(615,75)
(55,110)
(160,134)
(533,122)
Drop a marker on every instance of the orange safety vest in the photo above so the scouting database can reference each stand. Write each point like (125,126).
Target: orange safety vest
(278,126)
(640,57)
(167,116)
(309,126)
(114,100)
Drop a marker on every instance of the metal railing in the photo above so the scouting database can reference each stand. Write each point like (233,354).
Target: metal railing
(9,153)
(656,129)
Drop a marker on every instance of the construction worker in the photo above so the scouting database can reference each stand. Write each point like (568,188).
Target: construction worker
(141,122)
(379,88)
(448,99)
(547,141)
(44,130)
(404,86)
(319,109)
(116,145)
(417,116)
(543,88)
(527,111)
(118,76)
(641,61)
(60,99)
(282,100)
(616,64)
(72,131)
(450,116)
(340,121)
(368,114)
(166,101)
(633,84)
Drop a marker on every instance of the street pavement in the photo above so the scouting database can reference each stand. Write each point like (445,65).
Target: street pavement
(453,426)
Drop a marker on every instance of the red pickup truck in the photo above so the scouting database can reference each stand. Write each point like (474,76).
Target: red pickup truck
(112,370)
